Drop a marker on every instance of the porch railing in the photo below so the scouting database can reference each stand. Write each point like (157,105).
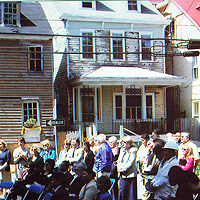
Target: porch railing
(140,126)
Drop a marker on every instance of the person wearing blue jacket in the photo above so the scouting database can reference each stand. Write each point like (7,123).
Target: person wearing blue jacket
(104,157)
(47,152)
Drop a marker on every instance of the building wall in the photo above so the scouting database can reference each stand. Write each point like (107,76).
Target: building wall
(17,82)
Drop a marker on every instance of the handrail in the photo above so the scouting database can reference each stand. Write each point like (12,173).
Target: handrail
(131,132)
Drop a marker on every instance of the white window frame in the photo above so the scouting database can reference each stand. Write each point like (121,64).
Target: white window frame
(153,104)
(2,20)
(123,94)
(123,44)
(195,69)
(138,7)
(194,115)
(81,42)
(78,105)
(38,110)
(114,104)
(29,59)
(151,36)
(88,8)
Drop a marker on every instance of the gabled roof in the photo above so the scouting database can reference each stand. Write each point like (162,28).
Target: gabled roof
(115,12)
(190,7)
(111,75)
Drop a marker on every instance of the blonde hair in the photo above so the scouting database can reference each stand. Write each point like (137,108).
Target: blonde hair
(189,154)
(46,142)
(3,142)
(37,148)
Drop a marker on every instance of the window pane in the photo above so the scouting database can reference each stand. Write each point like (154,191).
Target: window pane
(146,47)
(118,101)
(196,108)
(118,113)
(149,100)
(139,113)
(133,100)
(87,45)
(87,4)
(117,46)
(149,113)
(35,59)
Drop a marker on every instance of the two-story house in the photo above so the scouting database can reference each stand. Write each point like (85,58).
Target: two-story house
(25,71)
(112,70)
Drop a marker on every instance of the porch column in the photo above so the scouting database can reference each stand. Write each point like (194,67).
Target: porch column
(95,109)
(79,106)
(144,114)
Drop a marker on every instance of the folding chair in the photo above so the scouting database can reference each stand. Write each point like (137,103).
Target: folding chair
(37,189)
(48,196)
(6,185)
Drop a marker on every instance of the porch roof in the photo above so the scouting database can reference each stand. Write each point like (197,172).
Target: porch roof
(112,75)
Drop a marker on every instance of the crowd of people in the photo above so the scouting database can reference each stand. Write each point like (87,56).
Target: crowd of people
(163,169)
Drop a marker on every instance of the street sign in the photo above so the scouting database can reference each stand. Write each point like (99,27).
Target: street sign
(55,122)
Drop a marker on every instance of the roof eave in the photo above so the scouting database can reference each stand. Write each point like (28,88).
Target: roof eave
(125,81)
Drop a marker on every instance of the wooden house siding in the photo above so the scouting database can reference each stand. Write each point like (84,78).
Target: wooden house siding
(80,66)
(16,83)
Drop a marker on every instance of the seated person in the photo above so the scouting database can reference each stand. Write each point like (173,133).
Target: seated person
(35,163)
(64,168)
(103,184)
(43,178)
(78,182)
(63,153)
(89,190)
(47,152)
(58,186)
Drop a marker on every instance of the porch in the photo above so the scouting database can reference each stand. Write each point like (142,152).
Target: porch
(112,96)
(140,126)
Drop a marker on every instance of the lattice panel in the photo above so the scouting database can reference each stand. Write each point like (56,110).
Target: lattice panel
(133,91)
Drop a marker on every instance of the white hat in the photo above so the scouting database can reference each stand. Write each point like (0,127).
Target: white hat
(171,145)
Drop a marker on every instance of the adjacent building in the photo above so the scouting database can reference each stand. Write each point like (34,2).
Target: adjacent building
(184,17)
(26,67)
(109,64)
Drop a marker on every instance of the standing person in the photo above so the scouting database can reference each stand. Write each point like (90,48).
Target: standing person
(128,171)
(88,156)
(64,152)
(160,184)
(20,156)
(178,137)
(114,173)
(93,146)
(185,139)
(104,157)
(5,156)
(141,158)
(75,153)
(47,152)
(187,161)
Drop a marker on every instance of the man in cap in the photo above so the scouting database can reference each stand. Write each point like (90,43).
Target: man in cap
(185,139)
(160,184)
